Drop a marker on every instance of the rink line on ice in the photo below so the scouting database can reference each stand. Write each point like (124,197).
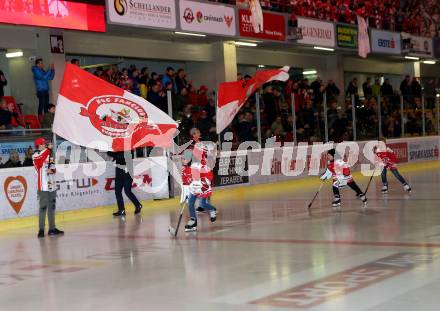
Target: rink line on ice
(270,241)
(241,193)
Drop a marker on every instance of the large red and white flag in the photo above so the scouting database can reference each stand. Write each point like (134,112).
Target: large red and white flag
(96,114)
(363,38)
(233,95)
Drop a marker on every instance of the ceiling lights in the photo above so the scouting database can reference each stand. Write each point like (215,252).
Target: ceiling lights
(310,72)
(243,43)
(192,34)
(412,58)
(323,48)
(14,54)
(429,62)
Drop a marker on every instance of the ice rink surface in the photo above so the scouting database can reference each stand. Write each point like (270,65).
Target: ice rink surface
(265,252)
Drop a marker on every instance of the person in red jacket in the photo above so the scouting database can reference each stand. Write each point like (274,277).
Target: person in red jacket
(45,166)
(389,159)
(340,173)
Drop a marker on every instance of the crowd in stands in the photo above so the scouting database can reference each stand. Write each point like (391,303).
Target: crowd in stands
(413,16)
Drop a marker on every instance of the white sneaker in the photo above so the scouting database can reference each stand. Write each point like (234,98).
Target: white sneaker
(407,188)
(385,189)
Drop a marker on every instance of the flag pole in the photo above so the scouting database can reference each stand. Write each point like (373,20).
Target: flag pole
(257,102)
(216,111)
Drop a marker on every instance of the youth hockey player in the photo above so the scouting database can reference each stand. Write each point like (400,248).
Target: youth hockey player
(340,173)
(200,188)
(389,160)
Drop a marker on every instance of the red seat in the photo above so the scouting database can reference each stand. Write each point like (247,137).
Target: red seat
(32,122)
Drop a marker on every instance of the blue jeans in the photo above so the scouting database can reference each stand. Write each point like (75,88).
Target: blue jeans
(203,204)
(43,102)
(395,173)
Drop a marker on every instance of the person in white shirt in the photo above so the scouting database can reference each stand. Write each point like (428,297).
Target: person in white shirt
(45,166)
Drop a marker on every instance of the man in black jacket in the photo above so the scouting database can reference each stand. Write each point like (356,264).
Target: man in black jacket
(123,180)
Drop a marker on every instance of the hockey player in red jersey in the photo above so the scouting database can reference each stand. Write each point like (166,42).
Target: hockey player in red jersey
(340,173)
(388,159)
(199,160)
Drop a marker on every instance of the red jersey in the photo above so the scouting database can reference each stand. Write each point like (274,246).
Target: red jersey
(388,158)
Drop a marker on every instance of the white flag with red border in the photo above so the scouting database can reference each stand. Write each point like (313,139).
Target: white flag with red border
(93,113)
(233,95)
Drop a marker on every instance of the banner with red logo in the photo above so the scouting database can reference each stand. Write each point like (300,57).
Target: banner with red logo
(55,14)
(233,95)
(274,26)
(207,18)
(96,114)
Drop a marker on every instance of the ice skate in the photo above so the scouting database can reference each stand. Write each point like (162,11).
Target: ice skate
(213,215)
(191,225)
(336,203)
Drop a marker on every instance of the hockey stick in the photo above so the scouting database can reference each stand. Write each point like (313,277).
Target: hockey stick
(174,231)
(369,182)
(316,195)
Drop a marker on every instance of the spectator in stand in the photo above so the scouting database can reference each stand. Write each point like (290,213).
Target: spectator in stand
(430,93)
(48,117)
(332,113)
(153,80)
(239,76)
(135,82)
(41,80)
(186,122)
(143,82)
(180,81)
(318,90)
(246,127)
(28,157)
(3,83)
(416,89)
(74,61)
(202,97)
(352,89)
(99,72)
(376,88)
(405,88)
(180,101)
(309,118)
(206,127)
(125,82)
(158,98)
(277,127)
(386,89)
(14,160)
(6,116)
(367,88)
(270,106)
(332,90)
(168,77)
